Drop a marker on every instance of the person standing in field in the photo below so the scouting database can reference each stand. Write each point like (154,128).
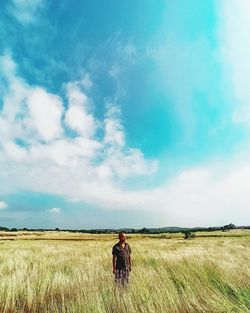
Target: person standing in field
(121,261)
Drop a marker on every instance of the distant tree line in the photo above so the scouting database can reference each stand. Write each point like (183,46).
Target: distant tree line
(143,230)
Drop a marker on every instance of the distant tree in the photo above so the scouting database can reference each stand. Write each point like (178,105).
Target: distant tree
(4,228)
(188,235)
(13,229)
(143,230)
(228,227)
(57,229)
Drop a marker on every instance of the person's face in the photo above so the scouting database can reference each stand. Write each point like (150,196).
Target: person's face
(122,237)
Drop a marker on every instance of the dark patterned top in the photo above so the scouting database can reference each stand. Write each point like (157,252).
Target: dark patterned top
(122,255)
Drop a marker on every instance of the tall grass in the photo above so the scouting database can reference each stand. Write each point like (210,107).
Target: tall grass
(168,275)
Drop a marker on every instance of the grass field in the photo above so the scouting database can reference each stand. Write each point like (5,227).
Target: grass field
(69,272)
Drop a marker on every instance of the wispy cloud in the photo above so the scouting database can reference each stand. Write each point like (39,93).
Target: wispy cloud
(26,11)
(55,211)
(3,205)
(234,51)
(185,70)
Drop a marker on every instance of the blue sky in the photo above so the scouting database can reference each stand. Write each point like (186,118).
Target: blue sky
(119,114)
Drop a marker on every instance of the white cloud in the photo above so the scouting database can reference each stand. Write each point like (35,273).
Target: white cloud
(3,205)
(14,151)
(65,152)
(114,133)
(119,159)
(126,164)
(77,116)
(13,95)
(28,112)
(77,119)
(55,211)
(207,195)
(44,114)
(8,66)
(33,136)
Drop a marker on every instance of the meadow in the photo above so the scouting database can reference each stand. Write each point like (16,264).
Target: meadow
(72,272)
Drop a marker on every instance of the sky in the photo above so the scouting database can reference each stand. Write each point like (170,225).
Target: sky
(124,113)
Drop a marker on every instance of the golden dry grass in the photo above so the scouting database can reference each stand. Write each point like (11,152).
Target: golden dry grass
(205,274)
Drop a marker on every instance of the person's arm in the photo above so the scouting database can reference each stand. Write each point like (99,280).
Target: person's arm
(129,259)
(130,263)
(114,263)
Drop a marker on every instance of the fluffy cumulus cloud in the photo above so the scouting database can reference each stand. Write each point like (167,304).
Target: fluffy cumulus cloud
(50,146)
(77,116)
(44,114)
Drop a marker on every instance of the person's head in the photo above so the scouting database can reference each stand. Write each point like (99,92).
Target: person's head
(122,237)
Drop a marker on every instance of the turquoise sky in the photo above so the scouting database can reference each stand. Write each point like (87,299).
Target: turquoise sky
(124,113)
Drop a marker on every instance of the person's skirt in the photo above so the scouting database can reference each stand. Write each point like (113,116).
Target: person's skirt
(122,276)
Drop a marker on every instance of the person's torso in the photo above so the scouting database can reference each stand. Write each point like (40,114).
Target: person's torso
(122,254)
